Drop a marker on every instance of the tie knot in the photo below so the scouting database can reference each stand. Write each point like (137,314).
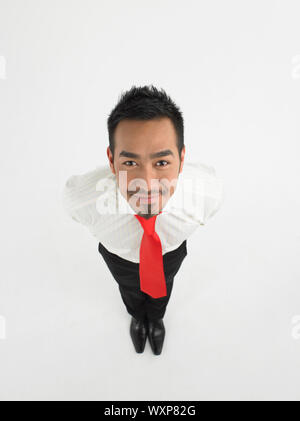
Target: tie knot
(148,225)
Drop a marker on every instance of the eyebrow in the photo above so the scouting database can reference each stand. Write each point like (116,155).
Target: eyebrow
(165,152)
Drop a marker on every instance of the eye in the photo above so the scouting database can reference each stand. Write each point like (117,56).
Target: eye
(126,163)
(163,165)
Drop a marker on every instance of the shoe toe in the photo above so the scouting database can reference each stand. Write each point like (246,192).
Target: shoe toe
(156,336)
(138,333)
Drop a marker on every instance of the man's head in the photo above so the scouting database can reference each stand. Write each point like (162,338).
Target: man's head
(146,142)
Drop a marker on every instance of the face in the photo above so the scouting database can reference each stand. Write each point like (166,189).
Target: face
(146,163)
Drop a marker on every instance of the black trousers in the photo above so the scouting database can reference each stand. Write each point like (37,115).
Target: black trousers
(139,304)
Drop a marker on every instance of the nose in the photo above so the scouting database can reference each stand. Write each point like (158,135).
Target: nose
(149,177)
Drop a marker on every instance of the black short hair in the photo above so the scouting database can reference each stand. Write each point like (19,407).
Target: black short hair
(145,103)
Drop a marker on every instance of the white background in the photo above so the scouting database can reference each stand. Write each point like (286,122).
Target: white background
(232,325)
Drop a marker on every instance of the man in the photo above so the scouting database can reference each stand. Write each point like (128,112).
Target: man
(142,206)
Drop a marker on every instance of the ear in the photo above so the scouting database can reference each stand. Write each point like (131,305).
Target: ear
(110,160)
(182,159)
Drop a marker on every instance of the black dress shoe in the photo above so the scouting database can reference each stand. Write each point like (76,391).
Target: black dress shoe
(138,333)
(156,334)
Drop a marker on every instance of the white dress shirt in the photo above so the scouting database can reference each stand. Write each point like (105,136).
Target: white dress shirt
(94,200)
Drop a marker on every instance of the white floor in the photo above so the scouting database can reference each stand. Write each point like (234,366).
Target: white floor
(229,323)
(233,321)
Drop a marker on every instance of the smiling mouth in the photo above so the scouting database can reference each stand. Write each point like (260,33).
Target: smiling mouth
(144,196)
(149,198)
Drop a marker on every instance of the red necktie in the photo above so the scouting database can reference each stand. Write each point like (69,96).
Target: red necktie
(152,276)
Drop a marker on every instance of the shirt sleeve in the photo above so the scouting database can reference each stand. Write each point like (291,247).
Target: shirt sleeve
(213,197)
(73,201)
(203,192)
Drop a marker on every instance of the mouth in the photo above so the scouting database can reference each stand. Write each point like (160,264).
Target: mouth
(149,199)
